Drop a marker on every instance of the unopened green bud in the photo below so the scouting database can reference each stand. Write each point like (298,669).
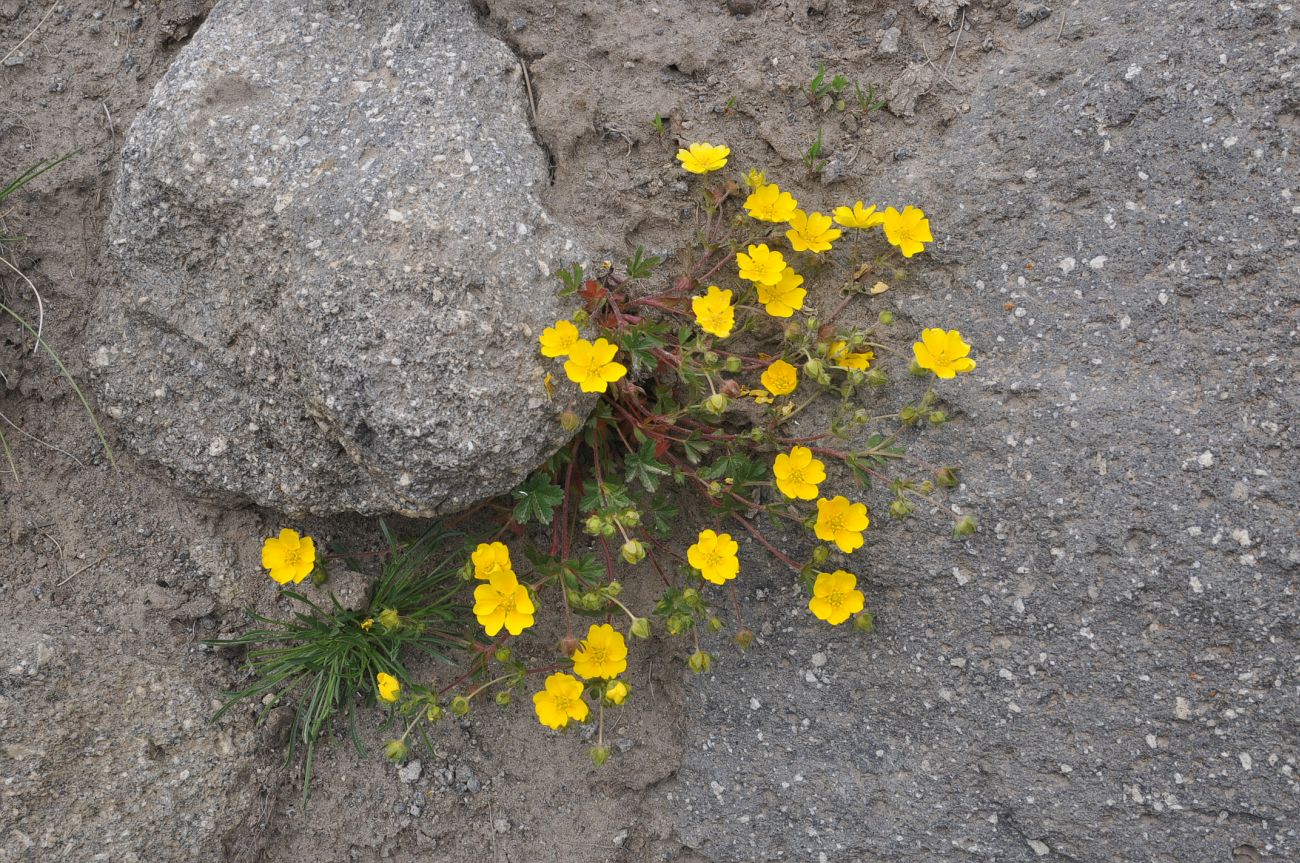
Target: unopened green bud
(820,554)
(677,623)
(861,417)
(640,627)
(319,575)
(946,477)
(715,625)
(744,638)
(459,705)
(916,371)
(569,421)
(908,415)
(608,529)
(503,697)
(926,487)
(864,622)
(900,508)
(594,525)
(840,105)
(591,602)
(877,378)
(856,377)
(733,364)
(814,369)
(793,330)
(580,317)
(700,662)
(614,588)
(631,518)
(396,750)
(467,571)
(716,404)
(886,317)
(599,755)
(938,418)
(965,526)
(434,713)
(711,357)
(502,654)
(690,596)
(633,551)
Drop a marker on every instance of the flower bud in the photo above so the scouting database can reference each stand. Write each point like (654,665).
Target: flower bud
(886,317)
(502,654)
(814,369)
(926,487)
(389,619)
(916,371)
(607,529)
(856,376)
(733,364)
(965,526)
(946,477)
(676,624)
(793,330)
(569,645)
(715,488)
(503,697)
(614,588)
(900,508)
(938,418)
(744,638)
(715,625)
(396,751)
(569,421)
(711,358)
(908,415)
(716,404)
(599,755)
(459,705)
(864,622)
(700,662)
(877,378)
(466,572)
(631,518)
(580,317)
(690,596)
(730,389)
(820,554)
(319,575)
(640,627)
(594,524)
(861,417)
(633,551)
(434,713)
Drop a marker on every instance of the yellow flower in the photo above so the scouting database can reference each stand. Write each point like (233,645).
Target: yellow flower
(858,216)
(367,624)
(389,687)
(944,353)
(769,204)
(836,597)
(489,558)
(389,619)
(714,555)
(558,340)
(839,354)
(841,522)
(503,601)
(798,474)
(701,157)
(755,178)
(909,230)
(761,265)
(785,297)
(617,691)
(780,378)
(592,367)
(811,232)
(714,312)
(290,557)
(560,701)
(603,653)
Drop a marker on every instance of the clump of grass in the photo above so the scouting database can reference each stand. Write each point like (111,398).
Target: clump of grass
(324,660)
(36,330)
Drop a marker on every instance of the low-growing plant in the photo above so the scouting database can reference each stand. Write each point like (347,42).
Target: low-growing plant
(326,658)
(734,410)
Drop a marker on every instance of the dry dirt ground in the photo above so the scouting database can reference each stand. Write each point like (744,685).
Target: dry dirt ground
(109,580)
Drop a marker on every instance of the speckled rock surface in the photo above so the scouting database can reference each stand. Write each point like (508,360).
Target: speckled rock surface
(334,264)
(1108,670)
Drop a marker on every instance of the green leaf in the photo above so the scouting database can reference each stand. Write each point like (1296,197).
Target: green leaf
(662,515)
(640,342)
(642,466)
(538,497)
(640,265)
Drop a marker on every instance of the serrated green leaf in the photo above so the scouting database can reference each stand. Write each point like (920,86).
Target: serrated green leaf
(538,497)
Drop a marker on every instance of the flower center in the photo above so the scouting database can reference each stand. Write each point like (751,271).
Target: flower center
(293,558)
(835,599)
(835,523)
(597,655)
(796,475)
(712,559)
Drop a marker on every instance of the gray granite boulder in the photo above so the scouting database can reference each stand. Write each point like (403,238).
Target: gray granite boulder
(334,264)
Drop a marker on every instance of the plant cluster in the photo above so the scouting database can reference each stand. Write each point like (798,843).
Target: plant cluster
(725,397)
